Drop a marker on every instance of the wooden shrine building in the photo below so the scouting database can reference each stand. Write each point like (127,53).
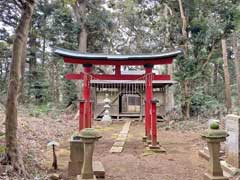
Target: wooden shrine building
(128,97)
(130,94)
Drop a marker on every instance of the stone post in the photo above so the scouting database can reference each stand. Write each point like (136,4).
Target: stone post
(88,137)
(76,156)
(214,136)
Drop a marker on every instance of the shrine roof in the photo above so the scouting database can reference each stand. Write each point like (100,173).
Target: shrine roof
(94,58)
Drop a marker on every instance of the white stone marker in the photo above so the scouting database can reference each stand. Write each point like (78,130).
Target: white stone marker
(233,140)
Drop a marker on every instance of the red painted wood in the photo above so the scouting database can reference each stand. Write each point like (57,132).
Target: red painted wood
(154,124)
(90,114)
(74,76)
(86,96)
(118,70)
(149,96)
(81,115)
(116,77)
(117,62)
(162,77)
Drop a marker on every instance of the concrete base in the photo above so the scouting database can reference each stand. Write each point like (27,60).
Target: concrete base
(80,178)
(148,141)
(229,169)
(98,169)
(144,139)
(210,177)
(156,149)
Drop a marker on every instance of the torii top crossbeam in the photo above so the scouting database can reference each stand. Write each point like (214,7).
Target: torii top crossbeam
(77,57)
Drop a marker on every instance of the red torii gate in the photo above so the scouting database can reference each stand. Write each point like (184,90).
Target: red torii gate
(147,60)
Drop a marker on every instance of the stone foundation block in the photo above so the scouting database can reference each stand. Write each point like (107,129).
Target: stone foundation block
(210,177)
(74,168)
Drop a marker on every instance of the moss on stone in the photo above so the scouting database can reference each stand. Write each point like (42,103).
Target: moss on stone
(215,133)
(89,133)
(214,125)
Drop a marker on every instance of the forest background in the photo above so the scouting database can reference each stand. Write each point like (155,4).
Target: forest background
(32,76)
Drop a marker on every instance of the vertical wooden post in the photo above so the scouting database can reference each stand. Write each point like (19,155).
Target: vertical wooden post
(118,70)
(154,122)
(149,96)
(81,115)
(86,95)
(90,113)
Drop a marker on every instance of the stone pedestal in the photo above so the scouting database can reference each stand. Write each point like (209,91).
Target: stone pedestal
(76,157)
(214,136)
(88,137)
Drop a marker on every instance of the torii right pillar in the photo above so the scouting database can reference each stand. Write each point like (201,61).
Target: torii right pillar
(148,103)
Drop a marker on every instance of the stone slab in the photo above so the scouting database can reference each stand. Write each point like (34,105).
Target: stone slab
(122,135)
(121,139)
(98,169)
(233,140)
(119,144)
(123,132)
(116,149)
(229,169)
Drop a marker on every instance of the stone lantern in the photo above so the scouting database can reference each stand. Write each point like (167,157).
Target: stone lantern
(88,136)
(214,136)
(106,117)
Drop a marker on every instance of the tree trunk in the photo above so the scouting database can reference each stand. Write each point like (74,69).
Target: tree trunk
(185,85)
(80,13)
(21,82)
(19,46)
(236,62)
(44,34)
(186,100)
(226,76)
(215,79)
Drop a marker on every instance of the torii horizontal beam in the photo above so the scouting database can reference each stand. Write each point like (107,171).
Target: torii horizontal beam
(119,62)
(115,77)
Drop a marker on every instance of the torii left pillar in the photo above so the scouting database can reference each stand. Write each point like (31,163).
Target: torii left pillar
(86,118)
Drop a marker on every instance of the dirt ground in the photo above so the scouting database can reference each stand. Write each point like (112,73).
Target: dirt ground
(181,160)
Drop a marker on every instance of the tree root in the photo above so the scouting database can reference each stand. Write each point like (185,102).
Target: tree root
(17,164)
